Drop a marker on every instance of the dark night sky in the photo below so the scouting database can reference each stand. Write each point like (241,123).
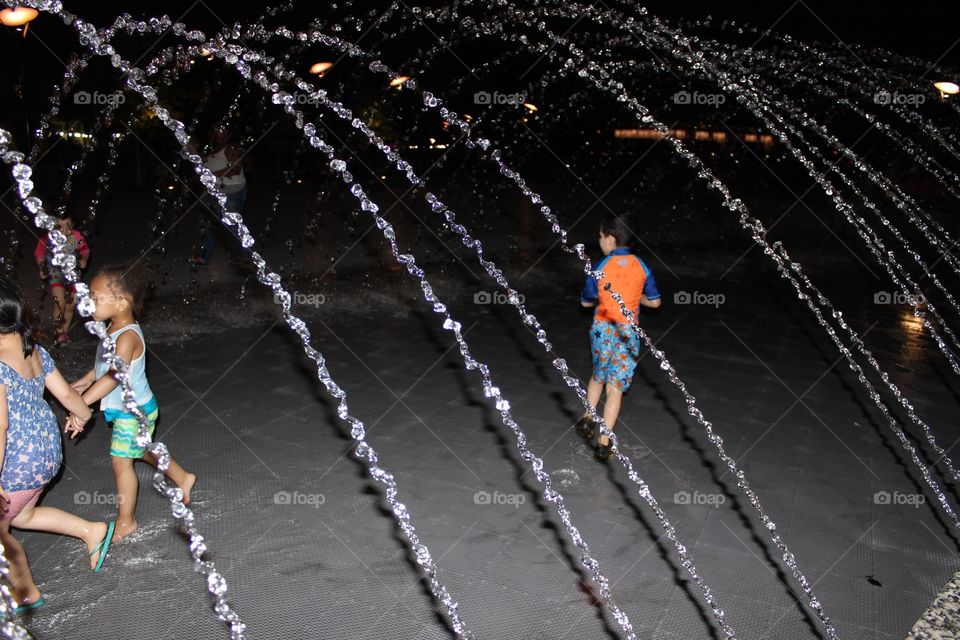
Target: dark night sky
(924,30)
(921,27)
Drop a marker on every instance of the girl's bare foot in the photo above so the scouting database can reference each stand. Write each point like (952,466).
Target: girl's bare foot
(187,487)
(124,529)
(94,537)
(27,596)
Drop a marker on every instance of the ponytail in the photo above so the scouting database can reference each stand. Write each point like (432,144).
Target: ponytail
(26,337)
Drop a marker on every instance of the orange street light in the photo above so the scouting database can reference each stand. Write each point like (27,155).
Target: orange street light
(947,88)
(397,82)
(531,108)
(18,17)
(320,68)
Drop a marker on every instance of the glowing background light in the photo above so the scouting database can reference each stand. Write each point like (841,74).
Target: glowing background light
(17,17)
(320,68)
(947,88)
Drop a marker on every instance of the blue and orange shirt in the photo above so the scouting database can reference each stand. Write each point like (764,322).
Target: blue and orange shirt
(629,276)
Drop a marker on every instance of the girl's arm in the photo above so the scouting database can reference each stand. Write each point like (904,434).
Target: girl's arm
(67,395)
(80,413)
(40,256)
(100,388)
(82,384)
(126,345)
(4,499)
(83,249)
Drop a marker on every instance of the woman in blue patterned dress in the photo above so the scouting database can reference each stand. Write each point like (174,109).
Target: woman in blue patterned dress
(30,447)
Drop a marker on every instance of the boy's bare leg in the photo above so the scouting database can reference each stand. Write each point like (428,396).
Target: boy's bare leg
(585,425)
(176,473)
(127,487)
(611,410)
(594,390)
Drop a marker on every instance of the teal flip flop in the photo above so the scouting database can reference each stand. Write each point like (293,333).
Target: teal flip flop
(104,546)
(30,606)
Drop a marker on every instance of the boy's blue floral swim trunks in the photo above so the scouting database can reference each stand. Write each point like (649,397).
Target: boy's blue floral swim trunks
(615,349)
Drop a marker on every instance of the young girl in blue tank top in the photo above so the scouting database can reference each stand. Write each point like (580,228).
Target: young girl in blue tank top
(118,294)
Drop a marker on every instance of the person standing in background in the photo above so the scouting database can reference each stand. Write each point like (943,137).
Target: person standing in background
(226,162)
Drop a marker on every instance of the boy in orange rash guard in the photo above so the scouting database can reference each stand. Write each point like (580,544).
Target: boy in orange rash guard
(614,345)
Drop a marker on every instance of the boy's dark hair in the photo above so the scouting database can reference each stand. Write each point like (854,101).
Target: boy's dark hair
(618,227)
(64,211)
(14,315)
(133,280)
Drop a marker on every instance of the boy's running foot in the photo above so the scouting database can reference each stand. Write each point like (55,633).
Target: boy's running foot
(124,529)
(187,487)
(604,451)
(584,427)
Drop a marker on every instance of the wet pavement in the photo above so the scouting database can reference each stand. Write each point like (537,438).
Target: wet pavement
(302,538)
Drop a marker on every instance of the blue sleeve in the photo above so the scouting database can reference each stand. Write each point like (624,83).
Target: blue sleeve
(650,285)
(590,291)
(49,366)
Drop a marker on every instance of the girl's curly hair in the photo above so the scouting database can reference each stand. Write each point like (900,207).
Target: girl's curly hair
(132,280)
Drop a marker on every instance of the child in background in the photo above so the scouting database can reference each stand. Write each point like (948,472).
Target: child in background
(118,293)
(614,345)
(62,298)
(31,450)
